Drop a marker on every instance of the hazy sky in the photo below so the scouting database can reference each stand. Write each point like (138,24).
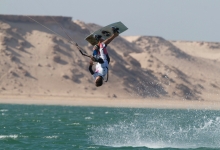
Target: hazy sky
(196,20)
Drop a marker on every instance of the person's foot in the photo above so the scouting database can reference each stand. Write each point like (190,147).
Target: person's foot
(106,33)
(97,37)
(115,29)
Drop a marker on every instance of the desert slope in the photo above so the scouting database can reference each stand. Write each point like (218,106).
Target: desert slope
(34,61)
(188,67)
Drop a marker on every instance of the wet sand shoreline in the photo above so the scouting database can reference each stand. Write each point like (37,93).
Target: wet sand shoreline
(108,102)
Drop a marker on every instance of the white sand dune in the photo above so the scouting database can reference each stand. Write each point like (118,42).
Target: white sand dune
(37,63)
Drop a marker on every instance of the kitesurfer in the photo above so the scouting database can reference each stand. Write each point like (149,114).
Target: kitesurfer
(100,55)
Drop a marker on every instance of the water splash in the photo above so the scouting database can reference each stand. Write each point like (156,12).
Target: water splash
(160,130)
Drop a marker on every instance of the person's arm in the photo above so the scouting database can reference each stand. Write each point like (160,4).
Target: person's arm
(90,67)
(108,40)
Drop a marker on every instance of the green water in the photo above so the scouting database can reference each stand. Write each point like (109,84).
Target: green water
(62,127)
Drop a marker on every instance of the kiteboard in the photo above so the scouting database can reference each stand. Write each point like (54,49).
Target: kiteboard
(105,32)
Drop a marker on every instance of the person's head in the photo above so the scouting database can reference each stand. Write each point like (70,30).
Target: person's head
(98,81)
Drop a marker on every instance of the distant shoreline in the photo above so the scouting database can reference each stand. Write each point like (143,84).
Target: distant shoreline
(108,102)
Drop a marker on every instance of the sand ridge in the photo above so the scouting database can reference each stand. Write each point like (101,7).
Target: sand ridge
(35,62)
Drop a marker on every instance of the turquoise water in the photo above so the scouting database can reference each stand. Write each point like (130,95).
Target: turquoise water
(36,127)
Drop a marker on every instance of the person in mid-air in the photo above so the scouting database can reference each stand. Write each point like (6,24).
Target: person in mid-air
(100,55)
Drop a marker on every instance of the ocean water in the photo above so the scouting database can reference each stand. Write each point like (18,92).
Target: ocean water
(35,127)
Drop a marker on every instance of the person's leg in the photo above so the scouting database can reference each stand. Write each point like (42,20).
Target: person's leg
(102,52)
(108,58)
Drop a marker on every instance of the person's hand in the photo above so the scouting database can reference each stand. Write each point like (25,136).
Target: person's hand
(92,58)
(116,33)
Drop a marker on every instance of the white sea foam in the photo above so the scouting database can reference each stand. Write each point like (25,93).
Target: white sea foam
(8,136)
(137,114)
(88,118)
(3,110)
(51,137)
(75,124)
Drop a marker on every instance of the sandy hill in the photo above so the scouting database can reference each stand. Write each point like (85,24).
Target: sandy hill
(34,61)
(188,68)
